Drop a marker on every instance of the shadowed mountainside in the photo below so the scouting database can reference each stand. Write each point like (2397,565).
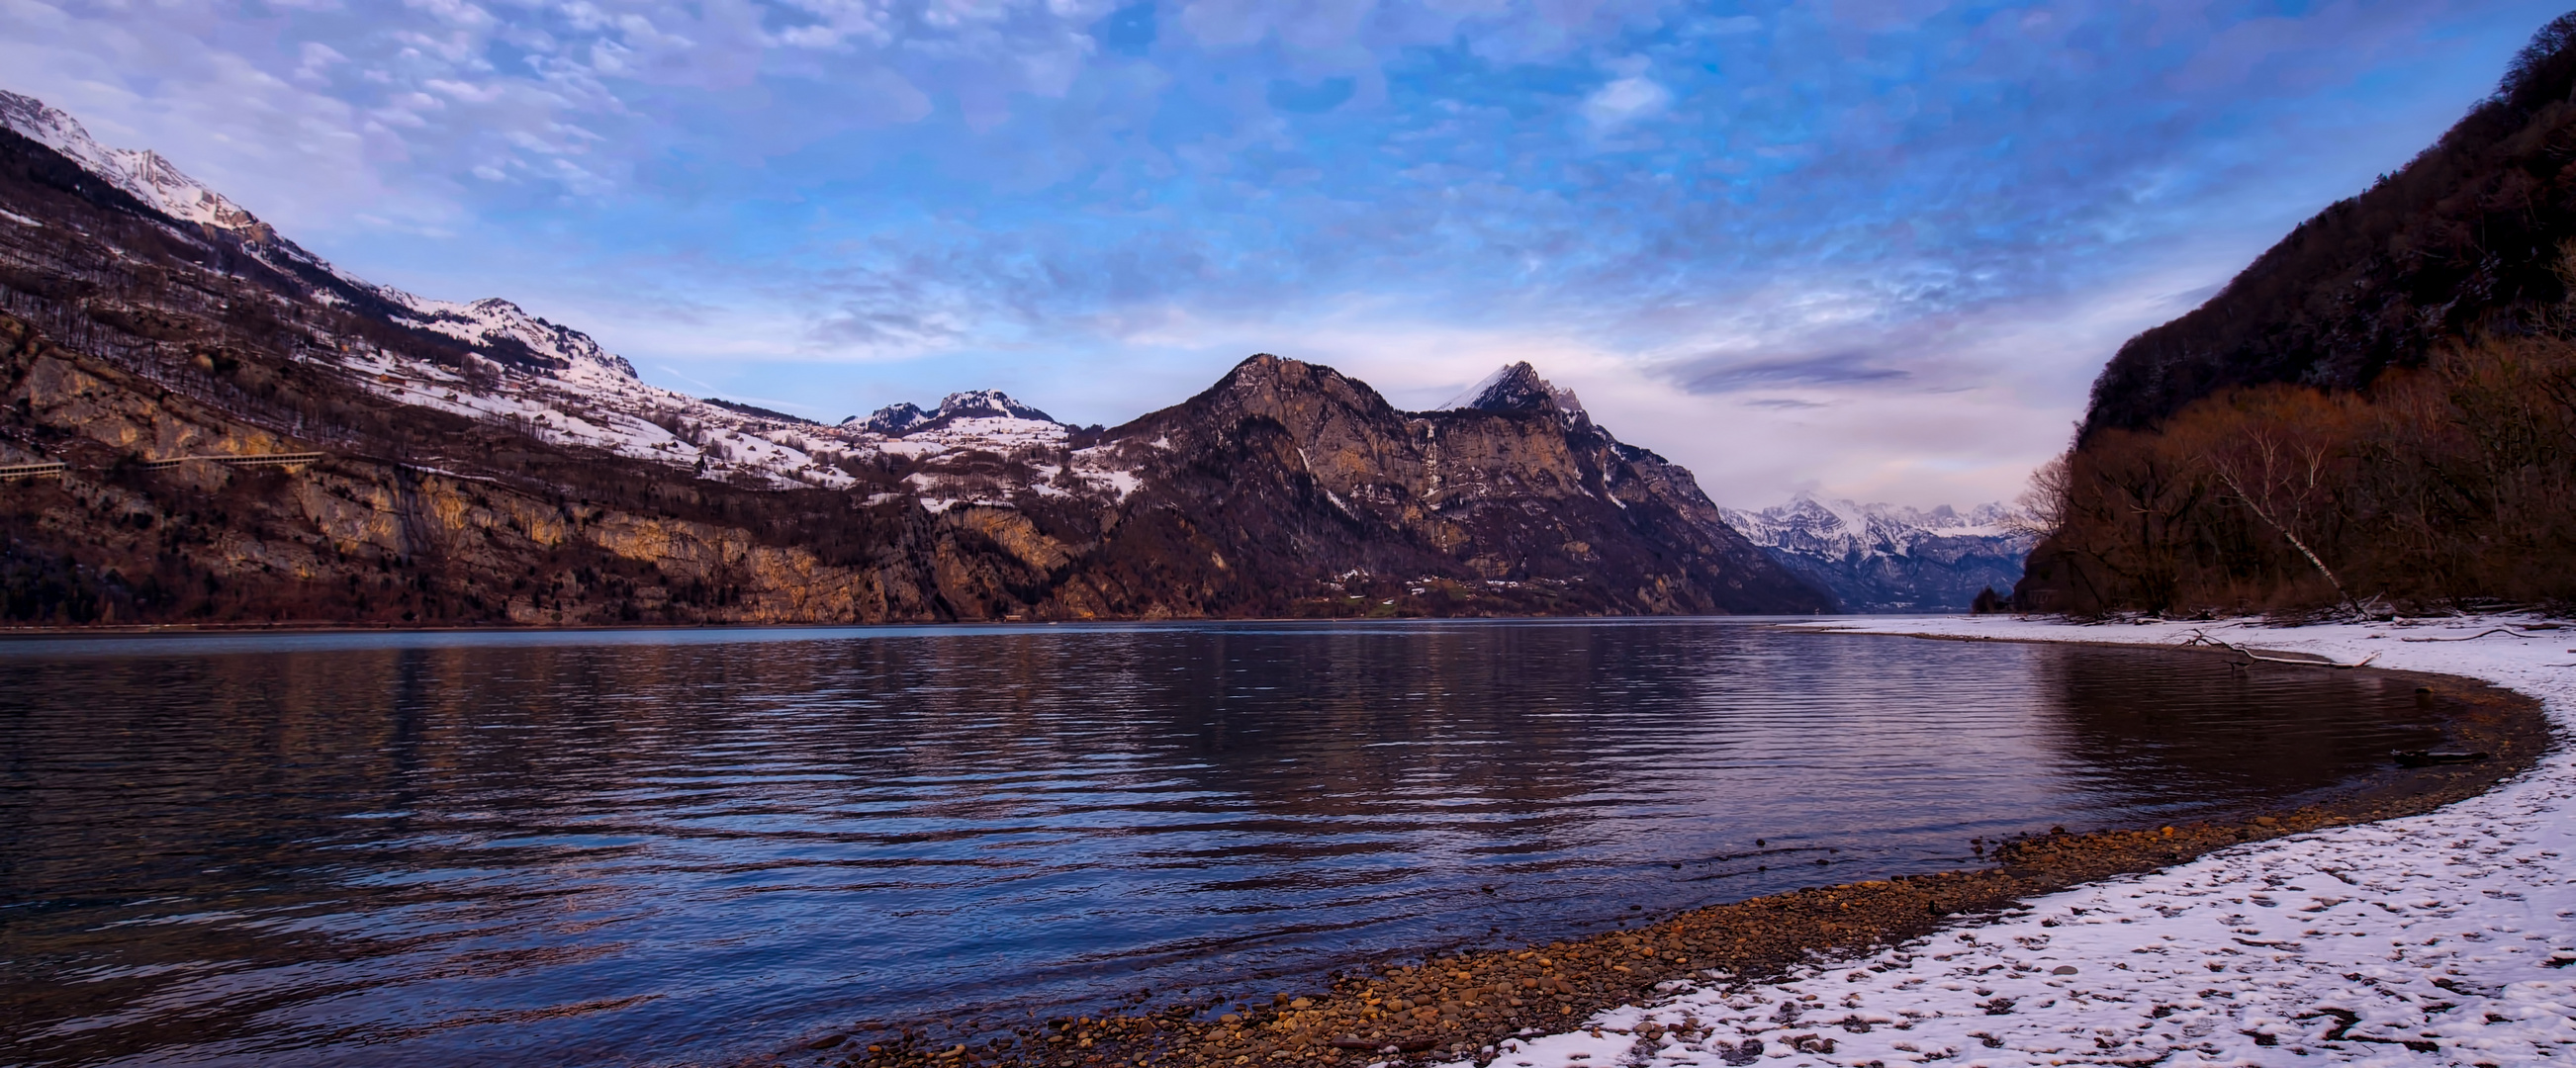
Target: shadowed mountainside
(2380,410)
(2470,238)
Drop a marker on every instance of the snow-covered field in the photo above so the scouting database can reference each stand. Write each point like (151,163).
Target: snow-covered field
(2440,939)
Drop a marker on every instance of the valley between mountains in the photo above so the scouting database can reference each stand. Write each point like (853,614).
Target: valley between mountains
(206,423)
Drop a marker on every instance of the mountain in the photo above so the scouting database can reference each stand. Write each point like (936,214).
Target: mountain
(2472,236)
(139,173)
(1515,388)
(210,423)
(1288,464)
(1882,558)
(2378,412)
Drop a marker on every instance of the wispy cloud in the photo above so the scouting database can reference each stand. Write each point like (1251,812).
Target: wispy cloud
(1791,210)
(1831,370)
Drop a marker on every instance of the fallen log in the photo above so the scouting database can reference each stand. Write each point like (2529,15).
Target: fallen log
(2250,655)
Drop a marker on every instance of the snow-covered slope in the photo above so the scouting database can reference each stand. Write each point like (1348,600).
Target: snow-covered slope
(1882,558)
(2440,939)
(496,323)
(139,171)
(980,418)
(558,383)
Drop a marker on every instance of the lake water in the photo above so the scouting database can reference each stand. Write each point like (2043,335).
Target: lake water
(692,846)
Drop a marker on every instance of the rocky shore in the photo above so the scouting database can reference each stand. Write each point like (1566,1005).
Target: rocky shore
(1473,1005)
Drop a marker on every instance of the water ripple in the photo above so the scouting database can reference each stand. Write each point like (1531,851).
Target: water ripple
(678,847)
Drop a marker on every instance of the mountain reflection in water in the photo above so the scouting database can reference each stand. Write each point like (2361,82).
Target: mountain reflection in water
(678,847)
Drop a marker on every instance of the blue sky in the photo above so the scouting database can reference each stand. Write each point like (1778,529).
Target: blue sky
(1874,248)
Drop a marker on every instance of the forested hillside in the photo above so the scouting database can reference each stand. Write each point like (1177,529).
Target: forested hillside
(2379,410)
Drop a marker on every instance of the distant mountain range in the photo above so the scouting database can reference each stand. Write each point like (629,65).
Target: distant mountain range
(1882,558)
(208,422)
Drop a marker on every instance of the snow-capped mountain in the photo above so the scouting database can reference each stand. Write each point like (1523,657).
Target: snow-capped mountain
(1883,558)
(140,172)
(892,420)
(541,377)
(899,420)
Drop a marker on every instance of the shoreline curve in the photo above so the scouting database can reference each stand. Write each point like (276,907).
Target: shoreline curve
(1668,991)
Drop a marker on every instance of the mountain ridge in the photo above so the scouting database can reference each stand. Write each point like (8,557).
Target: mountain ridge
(1885,558)
(480,463)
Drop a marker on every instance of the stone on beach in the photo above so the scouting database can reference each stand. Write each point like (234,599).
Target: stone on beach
(2439,938)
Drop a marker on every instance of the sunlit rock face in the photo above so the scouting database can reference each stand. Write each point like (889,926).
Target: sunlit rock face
(1882,558)
(484,464)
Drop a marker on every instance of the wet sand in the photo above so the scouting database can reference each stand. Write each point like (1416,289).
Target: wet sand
(1462,1004)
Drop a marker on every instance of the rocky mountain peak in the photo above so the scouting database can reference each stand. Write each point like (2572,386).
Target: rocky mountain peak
(1516,387)
(1280,387)
(987,404)
(897,420)
(891,420)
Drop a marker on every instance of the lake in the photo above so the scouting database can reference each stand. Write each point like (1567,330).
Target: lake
(670,847)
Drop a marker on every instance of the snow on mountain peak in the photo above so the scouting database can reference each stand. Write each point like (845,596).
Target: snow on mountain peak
(891,420)
(987,404)
(504,328)
(140,172)
(897,420)
(1816,526)
(500,328)
(1886,558)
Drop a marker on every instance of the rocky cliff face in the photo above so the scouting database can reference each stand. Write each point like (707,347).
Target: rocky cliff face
(483,465)
(1882,558)
(1520,506)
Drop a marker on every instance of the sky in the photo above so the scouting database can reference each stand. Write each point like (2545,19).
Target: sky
(1873,249)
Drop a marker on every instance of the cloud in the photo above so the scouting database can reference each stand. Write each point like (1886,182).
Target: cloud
(1834,370)
(1790,215)
(1625,100)
(1314,99)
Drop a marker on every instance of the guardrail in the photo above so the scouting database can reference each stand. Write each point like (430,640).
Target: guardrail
(13,472)
(274,459)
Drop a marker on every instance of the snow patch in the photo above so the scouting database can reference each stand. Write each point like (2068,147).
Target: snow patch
(1841,529)
(140,172)
(2434,939)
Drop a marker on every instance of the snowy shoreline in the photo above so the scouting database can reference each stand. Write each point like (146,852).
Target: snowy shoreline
(2442,938)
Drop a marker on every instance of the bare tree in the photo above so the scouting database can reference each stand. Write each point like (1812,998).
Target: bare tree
(2286,480)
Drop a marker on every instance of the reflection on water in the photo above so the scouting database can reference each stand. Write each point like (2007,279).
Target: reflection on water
(674,847)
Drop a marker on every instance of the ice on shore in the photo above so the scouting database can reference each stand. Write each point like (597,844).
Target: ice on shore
(2441,939)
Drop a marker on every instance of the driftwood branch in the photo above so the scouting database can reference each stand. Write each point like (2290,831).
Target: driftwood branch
(2508,632)
(2198,638)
